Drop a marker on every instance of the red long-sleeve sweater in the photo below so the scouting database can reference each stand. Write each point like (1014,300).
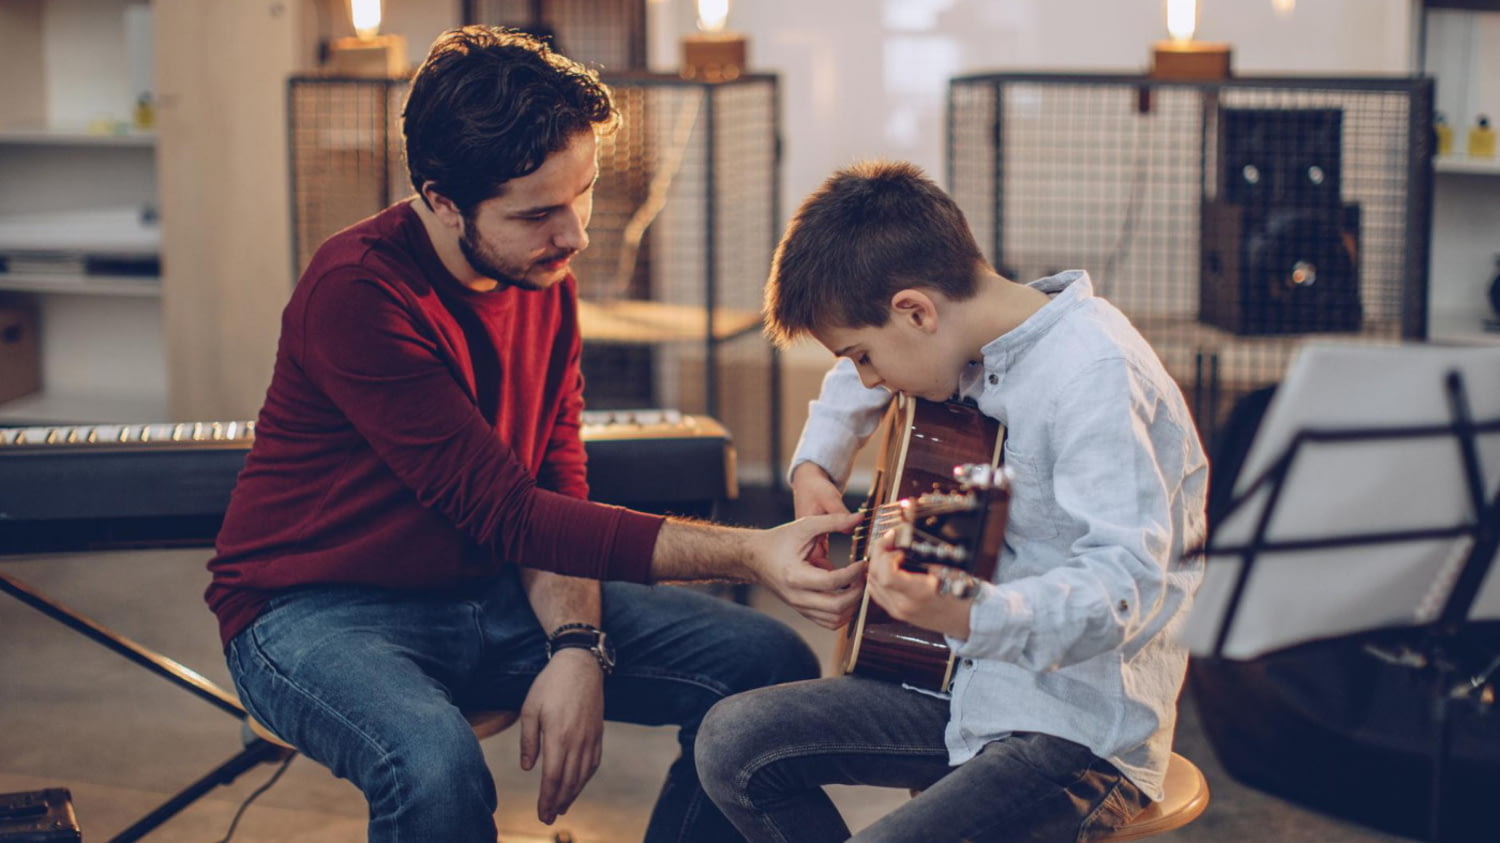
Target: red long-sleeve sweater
(374,461)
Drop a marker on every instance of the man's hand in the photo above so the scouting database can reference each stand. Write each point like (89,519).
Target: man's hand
(814,493)
(781,559)
(562,720)
(911,597)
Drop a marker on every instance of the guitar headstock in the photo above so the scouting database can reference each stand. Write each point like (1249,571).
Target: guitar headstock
(961,527)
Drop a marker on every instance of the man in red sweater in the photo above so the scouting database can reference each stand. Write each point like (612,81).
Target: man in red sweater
(411,535)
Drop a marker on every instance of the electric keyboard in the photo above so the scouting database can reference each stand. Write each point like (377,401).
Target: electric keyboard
(142,485)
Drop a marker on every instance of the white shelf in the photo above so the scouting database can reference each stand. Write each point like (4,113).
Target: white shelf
(1465,165)
(72,408)
(96,231)
(129,286)
(43,136)
(1461,328)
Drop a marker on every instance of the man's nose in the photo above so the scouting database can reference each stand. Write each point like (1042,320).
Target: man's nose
(572,233)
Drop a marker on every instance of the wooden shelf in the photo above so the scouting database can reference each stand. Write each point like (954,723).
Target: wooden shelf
(629,321)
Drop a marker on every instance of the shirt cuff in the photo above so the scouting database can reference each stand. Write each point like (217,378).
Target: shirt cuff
(636,535)
(998,622)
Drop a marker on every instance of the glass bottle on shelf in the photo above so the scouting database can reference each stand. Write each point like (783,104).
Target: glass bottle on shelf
(1482,139)
(145,113)
(1444,134)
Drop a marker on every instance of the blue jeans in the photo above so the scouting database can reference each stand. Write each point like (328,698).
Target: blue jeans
(765,755)
(371,683)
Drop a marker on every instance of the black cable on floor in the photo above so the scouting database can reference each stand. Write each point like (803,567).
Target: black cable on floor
(233,824)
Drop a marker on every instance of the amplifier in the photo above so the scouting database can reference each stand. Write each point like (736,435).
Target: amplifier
(38,816)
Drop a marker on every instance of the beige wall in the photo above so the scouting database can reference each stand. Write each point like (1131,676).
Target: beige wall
(21,58)
(221,79)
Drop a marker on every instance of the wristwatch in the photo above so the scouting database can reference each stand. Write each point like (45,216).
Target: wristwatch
(959,584)
(584,637)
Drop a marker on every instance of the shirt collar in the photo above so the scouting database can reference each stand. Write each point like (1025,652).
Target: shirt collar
(1068,289)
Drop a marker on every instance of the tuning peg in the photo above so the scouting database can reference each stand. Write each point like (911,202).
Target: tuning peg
(978,475)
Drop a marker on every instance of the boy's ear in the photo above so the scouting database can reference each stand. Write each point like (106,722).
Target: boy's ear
(447,212)
(915,308)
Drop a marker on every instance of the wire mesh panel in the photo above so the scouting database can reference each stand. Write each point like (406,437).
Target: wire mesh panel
(1232,221)
(609,35)
(684,225)
(345,149)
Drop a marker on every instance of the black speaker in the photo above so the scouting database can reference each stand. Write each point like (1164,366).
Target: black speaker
(1280,249)
(1280,270)
(1281,156)
(618,376)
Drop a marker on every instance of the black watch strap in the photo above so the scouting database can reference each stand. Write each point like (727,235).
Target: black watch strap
(583,636)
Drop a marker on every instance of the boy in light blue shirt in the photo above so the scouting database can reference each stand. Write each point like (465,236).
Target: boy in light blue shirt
(1060,718)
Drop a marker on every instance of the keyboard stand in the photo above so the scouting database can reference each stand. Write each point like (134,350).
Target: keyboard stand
(255,753)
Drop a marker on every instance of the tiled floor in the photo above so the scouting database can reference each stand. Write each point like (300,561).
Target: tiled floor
(74,715)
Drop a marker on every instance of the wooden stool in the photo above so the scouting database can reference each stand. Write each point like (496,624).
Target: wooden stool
(484,724)
(1187,797)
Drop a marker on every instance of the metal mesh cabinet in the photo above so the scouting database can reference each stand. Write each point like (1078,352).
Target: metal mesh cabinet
(684,226)
(1232,221)
(609,34)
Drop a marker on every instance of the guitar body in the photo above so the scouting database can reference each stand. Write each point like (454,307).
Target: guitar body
(921,444)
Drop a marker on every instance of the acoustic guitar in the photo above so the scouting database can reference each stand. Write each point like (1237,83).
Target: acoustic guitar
(951,520)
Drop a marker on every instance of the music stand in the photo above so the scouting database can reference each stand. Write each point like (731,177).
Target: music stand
(1369,503)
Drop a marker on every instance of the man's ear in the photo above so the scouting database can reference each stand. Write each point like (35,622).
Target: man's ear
(447,212)
(915,308)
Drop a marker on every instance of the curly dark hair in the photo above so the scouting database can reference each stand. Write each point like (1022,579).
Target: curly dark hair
(871,230)
(489,105)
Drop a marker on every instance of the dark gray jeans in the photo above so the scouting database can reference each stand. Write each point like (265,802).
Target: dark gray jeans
(763,756)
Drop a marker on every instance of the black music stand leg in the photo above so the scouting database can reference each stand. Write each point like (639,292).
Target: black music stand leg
(171,670)
(257,753)
(1440,720)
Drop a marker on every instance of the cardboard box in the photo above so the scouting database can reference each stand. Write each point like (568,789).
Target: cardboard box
(20,353)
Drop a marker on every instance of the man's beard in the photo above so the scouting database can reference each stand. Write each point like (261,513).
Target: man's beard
(475,253)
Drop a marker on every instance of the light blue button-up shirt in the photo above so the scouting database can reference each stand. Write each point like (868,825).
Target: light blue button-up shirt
(1076,636)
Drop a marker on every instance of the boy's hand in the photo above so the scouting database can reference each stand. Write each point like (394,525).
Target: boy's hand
(912,597)
(814,493)
(781,559)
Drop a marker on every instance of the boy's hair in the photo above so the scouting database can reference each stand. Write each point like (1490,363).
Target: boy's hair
(489,105)
(869,231)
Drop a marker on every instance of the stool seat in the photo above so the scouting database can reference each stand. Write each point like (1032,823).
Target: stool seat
(484,724)
(1186,798)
